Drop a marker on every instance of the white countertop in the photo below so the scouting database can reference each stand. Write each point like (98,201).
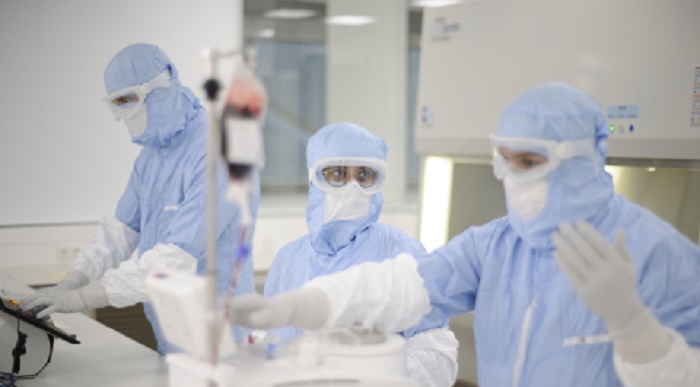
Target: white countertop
(36,275)
(103,358)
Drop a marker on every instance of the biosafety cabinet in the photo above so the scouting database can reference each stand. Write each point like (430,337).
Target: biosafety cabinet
(639,59)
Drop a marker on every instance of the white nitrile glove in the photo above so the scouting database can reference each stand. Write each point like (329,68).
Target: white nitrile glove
(305,308)
(68,301)
(73,280)
(604,277)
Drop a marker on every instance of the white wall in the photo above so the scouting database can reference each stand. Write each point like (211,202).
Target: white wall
(366,78)
(63,158)
(39,255)
(64,161)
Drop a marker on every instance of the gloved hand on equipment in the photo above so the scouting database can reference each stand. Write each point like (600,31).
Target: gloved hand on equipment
(67,301)
(305,308)
(73,280)
(604,277)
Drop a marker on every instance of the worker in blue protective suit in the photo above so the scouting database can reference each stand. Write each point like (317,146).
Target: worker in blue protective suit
(163,209)
(347,172)
(576,286)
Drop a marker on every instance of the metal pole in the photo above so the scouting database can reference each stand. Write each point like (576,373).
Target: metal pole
(212,88)
(213,154)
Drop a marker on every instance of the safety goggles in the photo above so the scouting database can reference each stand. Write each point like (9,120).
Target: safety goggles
(126,102)
(335,174)
(527,159)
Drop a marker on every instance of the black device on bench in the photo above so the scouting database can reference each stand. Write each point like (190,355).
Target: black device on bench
(28,317)
(22,365)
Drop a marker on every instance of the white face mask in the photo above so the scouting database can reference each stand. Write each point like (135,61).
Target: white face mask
(137,120)
(526,198)
(351,203)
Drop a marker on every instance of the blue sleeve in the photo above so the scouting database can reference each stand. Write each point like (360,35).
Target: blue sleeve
(290,268)
(451,273)
(669,285)
(272,279)
(451,276)
(129,209)
(411,246)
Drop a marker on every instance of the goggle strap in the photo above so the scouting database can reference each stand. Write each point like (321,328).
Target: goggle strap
(161,80)
(569,149)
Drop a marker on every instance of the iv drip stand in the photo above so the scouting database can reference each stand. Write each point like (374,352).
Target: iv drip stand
(212,88)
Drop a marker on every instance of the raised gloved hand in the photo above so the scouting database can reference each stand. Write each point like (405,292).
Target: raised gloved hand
(67,301)
(305,308)
(604,277)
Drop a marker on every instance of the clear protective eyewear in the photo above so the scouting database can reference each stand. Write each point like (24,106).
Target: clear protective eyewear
(527,159)
(126,102)
(334,174)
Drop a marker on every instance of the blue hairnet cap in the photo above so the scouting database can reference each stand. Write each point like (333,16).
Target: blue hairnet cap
(344,140)
(555,111)
(136,64)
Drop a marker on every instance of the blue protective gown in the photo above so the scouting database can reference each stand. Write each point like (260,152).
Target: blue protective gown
(336,246)
(531,327)
(491,271)
(297,262)
(165,199)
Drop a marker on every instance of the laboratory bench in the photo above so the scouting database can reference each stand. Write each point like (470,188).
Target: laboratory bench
(103,358)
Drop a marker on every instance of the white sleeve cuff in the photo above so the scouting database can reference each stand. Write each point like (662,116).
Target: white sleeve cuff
(431,358)
(390,292)
(679,368)
(126,286)
(113,243)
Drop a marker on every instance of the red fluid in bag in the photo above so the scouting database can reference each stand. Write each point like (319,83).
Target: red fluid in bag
(242,120)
